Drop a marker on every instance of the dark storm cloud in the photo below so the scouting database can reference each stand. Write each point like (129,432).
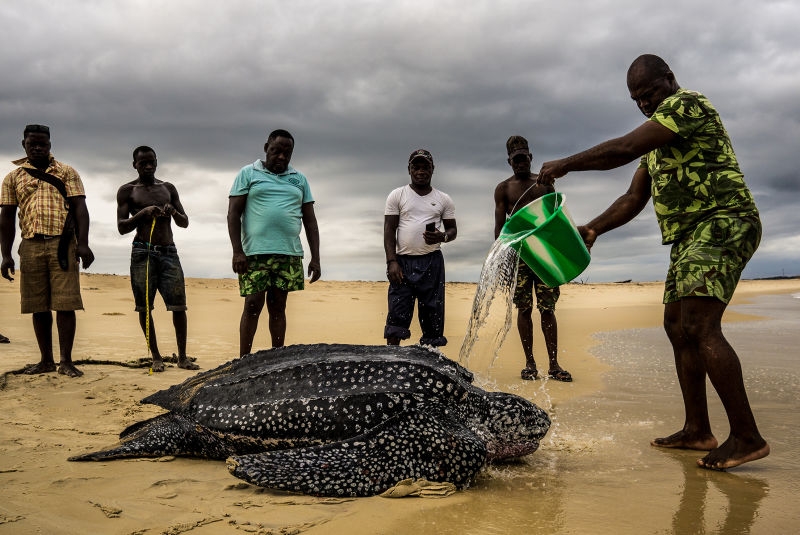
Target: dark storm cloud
(360,84)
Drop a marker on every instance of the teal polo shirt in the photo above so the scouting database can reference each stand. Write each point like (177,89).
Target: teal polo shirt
(272,217)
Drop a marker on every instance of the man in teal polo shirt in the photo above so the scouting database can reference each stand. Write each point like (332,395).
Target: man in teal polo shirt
(269,202)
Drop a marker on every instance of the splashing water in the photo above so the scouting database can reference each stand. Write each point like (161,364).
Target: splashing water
(493,299)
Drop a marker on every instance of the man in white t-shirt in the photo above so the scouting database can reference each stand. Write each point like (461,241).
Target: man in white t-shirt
(417,219)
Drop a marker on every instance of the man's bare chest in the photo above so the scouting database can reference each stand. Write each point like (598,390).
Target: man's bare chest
(517,190)
(150,195)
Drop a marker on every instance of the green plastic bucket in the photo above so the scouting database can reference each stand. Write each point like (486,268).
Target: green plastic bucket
(547,240)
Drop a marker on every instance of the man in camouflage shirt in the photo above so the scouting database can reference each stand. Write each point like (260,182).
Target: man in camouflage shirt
(708,215)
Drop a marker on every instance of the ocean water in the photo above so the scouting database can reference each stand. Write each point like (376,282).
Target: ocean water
(595,472)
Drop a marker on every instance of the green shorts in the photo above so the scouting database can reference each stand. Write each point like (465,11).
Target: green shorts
(709,261)
(265,271)
(528,285)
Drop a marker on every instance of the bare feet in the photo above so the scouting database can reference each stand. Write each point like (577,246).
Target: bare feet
(186,363)
(733,452)
(683,440)
(69,369)
(158,365)
(42,367)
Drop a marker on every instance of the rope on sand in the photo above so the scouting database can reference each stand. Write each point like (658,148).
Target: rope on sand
(142,362)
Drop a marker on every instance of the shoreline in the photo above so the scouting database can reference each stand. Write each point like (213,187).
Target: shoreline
(596,453)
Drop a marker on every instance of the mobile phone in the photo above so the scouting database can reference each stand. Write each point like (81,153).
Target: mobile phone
(430,227)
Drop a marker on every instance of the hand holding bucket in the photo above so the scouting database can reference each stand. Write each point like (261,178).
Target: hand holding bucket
(543,234)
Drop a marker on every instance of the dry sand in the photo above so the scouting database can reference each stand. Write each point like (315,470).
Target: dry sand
(46,418)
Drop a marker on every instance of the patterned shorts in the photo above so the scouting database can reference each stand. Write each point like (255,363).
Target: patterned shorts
(265,271)
(529,284)
(709,261)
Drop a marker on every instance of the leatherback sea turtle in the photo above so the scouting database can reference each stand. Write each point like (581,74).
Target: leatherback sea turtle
(337,420)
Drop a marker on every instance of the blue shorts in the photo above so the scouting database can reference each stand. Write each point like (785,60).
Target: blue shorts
(423,282)
(165,275)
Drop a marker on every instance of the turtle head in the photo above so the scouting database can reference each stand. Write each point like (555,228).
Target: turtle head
(511,426)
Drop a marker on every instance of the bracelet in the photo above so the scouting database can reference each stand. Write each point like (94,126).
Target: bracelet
(390,261)
(446,237)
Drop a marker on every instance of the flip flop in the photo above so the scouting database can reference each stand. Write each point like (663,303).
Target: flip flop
(561,375)
(529,374)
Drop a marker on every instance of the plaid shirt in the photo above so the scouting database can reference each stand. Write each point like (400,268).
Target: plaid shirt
(42,209)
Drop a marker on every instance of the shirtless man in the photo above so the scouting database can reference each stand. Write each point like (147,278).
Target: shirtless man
(510,195)
(149,205)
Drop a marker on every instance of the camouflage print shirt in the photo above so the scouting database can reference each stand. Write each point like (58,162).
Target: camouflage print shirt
(696,176)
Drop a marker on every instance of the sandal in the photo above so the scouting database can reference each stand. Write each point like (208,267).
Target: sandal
(560,375)
(529,374)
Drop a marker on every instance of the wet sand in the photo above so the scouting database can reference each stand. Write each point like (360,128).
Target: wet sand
(594,473)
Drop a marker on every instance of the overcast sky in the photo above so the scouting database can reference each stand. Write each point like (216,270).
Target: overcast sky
(360,84)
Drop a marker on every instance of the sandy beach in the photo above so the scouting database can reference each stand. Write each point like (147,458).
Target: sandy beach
(594,472)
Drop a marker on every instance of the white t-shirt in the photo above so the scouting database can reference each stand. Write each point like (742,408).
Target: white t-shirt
(415,212)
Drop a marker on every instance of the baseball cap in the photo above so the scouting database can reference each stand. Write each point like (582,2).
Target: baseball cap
(517,145)
(421,153)
(36,129)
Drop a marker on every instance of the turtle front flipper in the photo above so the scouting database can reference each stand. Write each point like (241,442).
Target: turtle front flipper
(166,434)
(420,444)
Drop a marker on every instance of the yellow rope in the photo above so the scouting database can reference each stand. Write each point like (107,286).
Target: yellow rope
(147,290)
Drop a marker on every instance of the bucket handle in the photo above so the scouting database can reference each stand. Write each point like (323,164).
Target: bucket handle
(512,239)
(521,196)
(517,237)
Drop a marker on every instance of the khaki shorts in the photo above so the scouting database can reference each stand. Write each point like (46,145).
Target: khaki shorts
(709,261)
(42,283)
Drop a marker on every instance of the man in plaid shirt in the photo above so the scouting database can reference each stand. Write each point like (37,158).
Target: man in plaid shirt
(44,285)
